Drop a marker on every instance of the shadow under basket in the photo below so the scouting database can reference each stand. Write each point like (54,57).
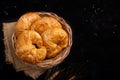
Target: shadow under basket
(34,70)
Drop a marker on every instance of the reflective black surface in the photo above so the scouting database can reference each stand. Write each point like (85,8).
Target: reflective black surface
(96,36)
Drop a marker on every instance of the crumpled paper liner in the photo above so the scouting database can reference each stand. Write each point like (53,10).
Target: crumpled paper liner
(31,70)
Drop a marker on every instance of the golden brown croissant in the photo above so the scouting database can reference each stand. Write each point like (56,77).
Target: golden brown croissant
(26,47)
(25,22)
(55,39)
(45,23)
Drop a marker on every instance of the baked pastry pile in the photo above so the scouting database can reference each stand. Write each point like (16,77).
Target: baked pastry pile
(39,37)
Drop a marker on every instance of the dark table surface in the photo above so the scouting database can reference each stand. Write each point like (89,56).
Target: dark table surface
(96,34)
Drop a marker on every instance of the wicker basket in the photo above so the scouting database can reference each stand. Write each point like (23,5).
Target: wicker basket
(49,63)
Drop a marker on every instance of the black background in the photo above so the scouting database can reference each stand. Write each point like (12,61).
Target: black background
(96,35)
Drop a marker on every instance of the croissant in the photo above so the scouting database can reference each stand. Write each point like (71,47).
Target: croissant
(25,21)
(45,23)
(29,47)
(54,40)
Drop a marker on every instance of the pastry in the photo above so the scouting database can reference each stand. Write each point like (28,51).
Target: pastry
(55,39)
(29,47)
(25,22)
(45,23)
